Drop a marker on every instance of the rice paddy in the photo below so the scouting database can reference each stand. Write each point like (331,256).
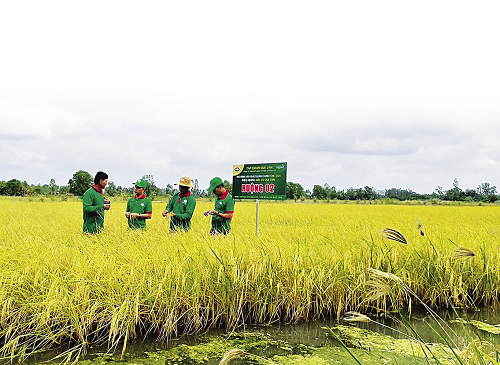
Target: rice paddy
(58,286)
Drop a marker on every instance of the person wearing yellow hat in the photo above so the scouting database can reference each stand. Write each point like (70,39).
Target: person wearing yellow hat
(181,206)
(139,208)
(223,210)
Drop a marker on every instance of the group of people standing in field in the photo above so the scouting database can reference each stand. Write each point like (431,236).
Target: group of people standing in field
(180,208)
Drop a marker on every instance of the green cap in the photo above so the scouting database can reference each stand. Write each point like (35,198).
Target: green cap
(216,181)
(141,183)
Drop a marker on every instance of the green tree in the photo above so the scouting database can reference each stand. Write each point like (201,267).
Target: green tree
(111,189)
(3,187)
(352,194)
(369,193)
(25,189)
(471,195)
(331,191)
(169,190)
(63,190)
(46,189)
(228,186)
(13,188)
(80,182)
(487,192)
(455,193)
(152,190)
(53,187)
(197,191)
(439,193)
(36,189)
(319,192)
(400,194)
(294,190)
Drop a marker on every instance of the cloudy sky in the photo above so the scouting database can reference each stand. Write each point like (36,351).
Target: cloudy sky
(350,93)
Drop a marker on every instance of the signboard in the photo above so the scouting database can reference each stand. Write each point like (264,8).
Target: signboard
(260,181)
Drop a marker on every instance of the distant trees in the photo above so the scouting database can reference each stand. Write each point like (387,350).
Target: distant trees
(169,190)
(228,186)
(366,193)
(152,190)
(197,191)
(487,192)
(439,193)
(13,188)
(403,194)
(483,193)
(111,189)
(80,182)
(53,187)
(455,193)
(3,188)
(294,191)
(36,189)
(327,192)
(319,192)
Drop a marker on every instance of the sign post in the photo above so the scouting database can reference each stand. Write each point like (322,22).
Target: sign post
(259,181)
(257,218)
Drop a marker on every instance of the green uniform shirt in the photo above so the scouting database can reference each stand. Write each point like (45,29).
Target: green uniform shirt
(223,204)
(183,207)
(93,210)
(139,205)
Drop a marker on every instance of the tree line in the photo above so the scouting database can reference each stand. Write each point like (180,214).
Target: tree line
(483,193)
(82,180)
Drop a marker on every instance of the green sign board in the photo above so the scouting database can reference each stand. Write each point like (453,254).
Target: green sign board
(260,181)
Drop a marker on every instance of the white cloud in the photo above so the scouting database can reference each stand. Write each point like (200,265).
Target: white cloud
(24,121)
(382,93)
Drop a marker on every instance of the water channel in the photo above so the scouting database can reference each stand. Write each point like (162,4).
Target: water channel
(302,342)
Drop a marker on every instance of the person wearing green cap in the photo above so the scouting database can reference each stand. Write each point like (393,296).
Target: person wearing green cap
(222,214)
(94,205)
(181,207)
(139,208)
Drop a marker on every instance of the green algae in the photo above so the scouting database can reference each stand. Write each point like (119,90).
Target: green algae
(256,349)
(494,329)
(259,348)
(389,348)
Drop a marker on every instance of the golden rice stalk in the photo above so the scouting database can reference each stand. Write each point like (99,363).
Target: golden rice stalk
(394,235)
(378,288)
(231,355)
(463,252)
(356,317)
(386,275)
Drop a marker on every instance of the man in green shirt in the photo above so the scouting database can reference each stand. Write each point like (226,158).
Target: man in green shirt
(94,204)
(181,206)
(139,208)
(223,210)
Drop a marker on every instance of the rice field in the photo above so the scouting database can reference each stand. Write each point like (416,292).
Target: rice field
(59,287)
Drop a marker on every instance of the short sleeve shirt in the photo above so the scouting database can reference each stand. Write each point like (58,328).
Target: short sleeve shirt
(223,204)
(139,205)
